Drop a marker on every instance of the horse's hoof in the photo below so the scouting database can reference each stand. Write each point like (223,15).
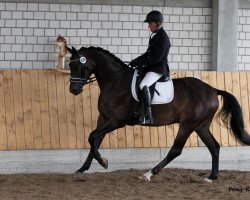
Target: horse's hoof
(208,180)
(77,174)
(80,171)
(78,177)
(143,177)
(105,163)
(146,176)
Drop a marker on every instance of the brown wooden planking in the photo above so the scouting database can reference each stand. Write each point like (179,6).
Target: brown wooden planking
(27,110)
(138,135)
(53,110)
(3,134)
(130,136)
(62,114)
(18,106)
(113,139)
(122,142)
(162,136)
(36,110)
(71,118)
(154,137)
(170,135)
(44,105)
(42,109)
(146,136)
(10,112)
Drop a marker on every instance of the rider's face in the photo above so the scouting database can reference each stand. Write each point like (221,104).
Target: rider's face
(153,26)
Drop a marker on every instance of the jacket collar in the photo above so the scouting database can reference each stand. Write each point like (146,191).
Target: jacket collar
(154,33)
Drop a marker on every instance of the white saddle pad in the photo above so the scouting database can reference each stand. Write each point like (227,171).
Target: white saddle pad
(165,89)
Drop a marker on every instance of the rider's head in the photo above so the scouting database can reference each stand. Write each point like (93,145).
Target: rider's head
(154,20)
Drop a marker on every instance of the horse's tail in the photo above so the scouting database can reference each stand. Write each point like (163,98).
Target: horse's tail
(231,113)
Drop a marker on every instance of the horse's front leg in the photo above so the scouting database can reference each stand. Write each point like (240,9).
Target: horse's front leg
(96,135)
(89,159)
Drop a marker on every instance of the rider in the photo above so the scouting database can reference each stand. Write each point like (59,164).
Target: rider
(154,61)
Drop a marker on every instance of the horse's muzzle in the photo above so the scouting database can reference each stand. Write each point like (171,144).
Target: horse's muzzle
(75,88)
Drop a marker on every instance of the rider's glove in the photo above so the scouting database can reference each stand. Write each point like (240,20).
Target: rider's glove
(135,64)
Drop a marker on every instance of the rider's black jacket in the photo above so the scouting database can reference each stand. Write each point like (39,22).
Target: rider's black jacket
(155,59)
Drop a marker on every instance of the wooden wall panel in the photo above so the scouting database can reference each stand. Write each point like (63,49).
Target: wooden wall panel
(53,110)
(27,110)
(44,109)
(62,115)
(3,128)
(37,111)
(19,118)
(10,111)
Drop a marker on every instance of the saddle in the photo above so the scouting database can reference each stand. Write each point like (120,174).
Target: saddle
(162,91)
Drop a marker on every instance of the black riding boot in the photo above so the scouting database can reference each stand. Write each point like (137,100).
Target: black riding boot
(147,117)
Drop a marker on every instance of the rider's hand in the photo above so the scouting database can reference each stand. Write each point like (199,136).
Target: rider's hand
(133,63)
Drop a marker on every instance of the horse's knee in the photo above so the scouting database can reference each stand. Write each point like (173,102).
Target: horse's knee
(91,139)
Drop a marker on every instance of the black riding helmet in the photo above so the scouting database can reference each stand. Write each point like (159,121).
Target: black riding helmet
(154,16)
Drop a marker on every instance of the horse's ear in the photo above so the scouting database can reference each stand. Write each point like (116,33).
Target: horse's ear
(74,50)
(69,49)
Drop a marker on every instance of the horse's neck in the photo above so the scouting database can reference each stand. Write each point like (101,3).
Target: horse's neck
(108,70)
(113,77)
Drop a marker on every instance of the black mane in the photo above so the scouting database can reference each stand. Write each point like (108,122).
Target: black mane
(108,53)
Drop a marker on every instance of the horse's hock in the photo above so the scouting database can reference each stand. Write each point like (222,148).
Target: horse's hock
(38,112)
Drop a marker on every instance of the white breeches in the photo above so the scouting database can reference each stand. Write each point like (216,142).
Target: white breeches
(149,79)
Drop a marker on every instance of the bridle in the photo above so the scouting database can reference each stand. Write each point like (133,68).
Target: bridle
(84,66)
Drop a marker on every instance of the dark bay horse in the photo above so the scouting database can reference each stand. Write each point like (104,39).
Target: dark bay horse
(193,107)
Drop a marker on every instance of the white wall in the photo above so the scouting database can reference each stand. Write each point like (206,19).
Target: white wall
(244,39)
(29,30)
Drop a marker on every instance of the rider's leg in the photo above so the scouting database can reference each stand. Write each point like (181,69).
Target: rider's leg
(149,79)
(147,117)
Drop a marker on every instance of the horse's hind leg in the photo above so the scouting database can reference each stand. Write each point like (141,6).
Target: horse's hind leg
(213,146)
(183,133)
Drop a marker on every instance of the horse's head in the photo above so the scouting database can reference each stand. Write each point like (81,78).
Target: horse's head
(80,71)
